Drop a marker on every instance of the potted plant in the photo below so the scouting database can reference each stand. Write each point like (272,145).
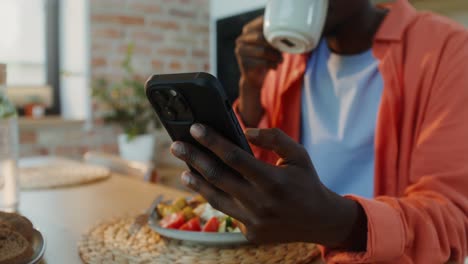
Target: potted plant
(34,108)
(124,103)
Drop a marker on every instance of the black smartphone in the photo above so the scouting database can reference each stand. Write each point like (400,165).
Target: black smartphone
(181,100)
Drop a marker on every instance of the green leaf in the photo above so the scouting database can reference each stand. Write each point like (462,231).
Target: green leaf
(126,100)
(7,108)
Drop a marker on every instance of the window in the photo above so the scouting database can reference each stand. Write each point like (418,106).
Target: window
(30,48)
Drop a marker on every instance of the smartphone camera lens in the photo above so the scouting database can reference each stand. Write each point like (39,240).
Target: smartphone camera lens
(173,93)
(171,106)
(170,114)
(159,98)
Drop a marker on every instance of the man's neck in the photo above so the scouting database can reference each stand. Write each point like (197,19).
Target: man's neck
(357,34)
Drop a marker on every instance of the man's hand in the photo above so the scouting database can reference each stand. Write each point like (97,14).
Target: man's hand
(256,57)
(282,203)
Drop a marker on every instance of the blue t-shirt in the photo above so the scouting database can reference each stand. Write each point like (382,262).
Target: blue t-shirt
(340,102)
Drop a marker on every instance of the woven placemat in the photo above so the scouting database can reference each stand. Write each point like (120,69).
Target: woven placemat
(56,172)
(109,242)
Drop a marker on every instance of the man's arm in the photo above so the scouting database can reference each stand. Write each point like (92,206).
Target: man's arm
(256,57)
(263,122)
(429,224)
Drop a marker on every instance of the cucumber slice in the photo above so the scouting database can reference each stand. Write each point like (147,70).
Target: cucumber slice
(222,227)
(228,221)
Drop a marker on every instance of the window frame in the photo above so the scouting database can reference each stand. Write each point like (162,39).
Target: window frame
(52,36)
(53,53)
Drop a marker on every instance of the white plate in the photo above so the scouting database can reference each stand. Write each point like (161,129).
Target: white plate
(203,238)
(38,245)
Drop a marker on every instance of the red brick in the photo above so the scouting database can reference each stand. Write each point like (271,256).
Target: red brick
(145,35)
(145,8)
(28,137)
(165,25)
(140,78)
(202,29)
(43,151)
(175,66)
(118,19)
(176,52)
(182,13)
(158,65)
(193,67)
(112,33)
(98,61)
(200,53)
(188,41)
(141,48)
(97,120)
(99,47)
(117,64)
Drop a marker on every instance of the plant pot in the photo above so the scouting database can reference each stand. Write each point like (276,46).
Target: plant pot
(140,148)
(34,110)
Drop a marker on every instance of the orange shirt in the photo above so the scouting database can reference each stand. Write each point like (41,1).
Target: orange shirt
(419,213)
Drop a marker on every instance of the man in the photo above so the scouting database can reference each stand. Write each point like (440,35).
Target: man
(380,108)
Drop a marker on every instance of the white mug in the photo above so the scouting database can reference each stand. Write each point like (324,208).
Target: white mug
(295,26)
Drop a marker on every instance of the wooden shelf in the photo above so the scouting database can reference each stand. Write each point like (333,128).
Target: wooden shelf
(49,122)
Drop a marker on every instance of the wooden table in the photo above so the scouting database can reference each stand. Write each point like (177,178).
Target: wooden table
(63,215)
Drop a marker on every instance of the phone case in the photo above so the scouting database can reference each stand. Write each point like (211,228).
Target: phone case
(205,103)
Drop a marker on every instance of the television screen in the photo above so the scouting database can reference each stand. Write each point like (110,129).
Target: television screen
(228,29)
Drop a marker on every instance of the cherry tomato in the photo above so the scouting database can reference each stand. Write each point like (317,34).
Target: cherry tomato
(192,225)
(174,220)
(212,225)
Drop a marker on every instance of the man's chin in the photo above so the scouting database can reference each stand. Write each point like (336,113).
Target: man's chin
(328,34)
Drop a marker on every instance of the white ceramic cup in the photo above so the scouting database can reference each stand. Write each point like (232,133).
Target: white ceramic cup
(295,26)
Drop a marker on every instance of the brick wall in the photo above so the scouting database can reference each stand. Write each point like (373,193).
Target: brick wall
(168,36)
(66,139)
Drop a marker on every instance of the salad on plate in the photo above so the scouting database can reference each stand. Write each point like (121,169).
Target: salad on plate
(195,215)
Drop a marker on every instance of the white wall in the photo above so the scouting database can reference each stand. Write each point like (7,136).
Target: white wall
(74,60)
(225,8)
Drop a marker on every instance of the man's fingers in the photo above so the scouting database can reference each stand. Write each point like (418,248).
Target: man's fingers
(219,176)
(238,159)
(217,198)
(254,37)
(259,64)
(254,25)
(280,143)
(259,52)
(212,170)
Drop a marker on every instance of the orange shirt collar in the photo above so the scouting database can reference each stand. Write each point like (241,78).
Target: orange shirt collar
(394,25)
(392,29)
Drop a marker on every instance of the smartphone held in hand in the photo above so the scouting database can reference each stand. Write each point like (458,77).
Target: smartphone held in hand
(181,100)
